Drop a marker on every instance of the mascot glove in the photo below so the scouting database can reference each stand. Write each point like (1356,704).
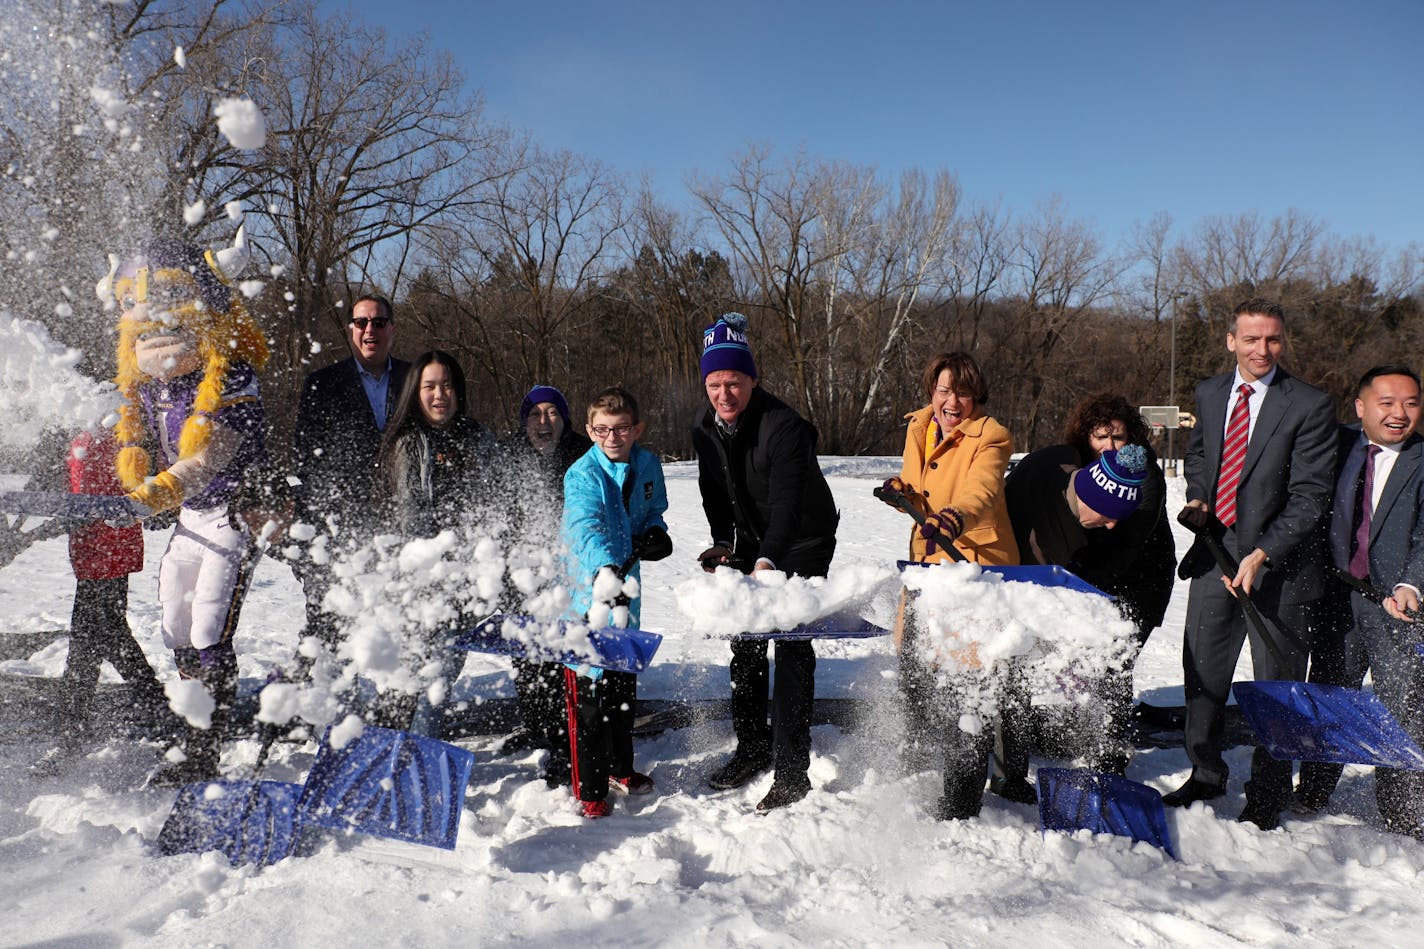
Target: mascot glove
(162,493)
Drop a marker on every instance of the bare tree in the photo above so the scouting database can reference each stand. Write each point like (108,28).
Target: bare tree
(548,231)
(769,217)
(913,234)
(95,138)
(362,150)
(1059,274)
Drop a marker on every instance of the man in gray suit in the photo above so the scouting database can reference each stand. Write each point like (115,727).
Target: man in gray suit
(1259,470)
(1377,535)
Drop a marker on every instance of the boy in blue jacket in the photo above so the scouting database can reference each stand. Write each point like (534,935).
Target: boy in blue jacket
(614,499)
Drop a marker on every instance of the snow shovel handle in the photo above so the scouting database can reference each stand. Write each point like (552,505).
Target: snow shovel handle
(898,499)
(1229,567)
(1366,589)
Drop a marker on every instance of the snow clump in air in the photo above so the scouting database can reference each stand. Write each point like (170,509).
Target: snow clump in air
(241,123)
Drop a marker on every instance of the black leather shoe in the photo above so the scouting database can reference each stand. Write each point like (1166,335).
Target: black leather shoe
(521,740)
(1191,792)
(1264,816)
(783,793)
(1304,801)
(1017,790)
(1407,827)
(947,808)
(739,771)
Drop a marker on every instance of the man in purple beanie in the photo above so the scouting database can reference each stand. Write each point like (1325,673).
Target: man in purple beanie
(1069,516)
(768,508)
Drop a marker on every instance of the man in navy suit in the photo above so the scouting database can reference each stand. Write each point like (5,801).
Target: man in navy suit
(1378,536)
(1259,470)
(340,418)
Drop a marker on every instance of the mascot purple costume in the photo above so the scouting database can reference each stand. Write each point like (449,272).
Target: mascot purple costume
(188,361)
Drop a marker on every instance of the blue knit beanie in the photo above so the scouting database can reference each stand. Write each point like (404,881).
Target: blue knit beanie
(1112,485)
(724,346)
(540,394)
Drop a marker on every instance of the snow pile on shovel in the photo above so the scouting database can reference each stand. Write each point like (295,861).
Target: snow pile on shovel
(978,629)
(728,602)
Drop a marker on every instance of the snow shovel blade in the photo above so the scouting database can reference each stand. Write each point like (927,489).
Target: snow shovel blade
(1044,576)
(842,625)
(389,784)
(1071,799)
(624,650)
(619,650)
(67,506)
(1300,721)
(249,821)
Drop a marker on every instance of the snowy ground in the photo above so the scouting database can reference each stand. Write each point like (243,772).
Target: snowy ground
(859,862)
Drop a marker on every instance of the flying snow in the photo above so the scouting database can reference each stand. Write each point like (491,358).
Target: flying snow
(241,122)
(41,388)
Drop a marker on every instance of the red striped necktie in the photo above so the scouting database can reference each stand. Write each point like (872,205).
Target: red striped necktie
(1233,456)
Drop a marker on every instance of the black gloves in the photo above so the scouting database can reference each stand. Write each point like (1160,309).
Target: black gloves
(653,544)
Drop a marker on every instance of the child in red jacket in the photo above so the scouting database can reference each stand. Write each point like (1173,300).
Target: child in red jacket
(102,557)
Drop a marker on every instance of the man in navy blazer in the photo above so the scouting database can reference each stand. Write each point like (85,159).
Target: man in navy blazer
(1392,561)
(1283,492)
(340,418)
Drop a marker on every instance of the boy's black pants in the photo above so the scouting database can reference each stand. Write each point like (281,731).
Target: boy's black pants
(600,715)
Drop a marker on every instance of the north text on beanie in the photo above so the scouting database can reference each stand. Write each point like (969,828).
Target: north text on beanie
(724,346)
(1112,485)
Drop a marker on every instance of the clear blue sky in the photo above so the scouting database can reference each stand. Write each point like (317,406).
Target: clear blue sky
(1122,108)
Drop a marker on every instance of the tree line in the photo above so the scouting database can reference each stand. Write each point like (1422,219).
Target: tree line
(382,171)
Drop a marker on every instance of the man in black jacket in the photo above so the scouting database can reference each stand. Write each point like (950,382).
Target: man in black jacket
(1060,518)
(340,418)
(769,508)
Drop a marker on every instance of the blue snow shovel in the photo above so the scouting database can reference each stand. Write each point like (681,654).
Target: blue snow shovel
(1071,799)
(248,821)
(841,625)
(1301,721)
(620,650)
(389,784)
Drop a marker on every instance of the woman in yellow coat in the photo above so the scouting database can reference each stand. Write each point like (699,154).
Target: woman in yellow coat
(953,466)
(953,471)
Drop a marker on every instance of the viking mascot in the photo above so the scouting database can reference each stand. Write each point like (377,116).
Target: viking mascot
(190,426)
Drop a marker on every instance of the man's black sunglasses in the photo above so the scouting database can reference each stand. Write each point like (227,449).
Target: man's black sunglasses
(380,322)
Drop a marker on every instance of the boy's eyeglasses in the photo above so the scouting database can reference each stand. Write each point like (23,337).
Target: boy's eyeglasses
(603,431)
(380,322)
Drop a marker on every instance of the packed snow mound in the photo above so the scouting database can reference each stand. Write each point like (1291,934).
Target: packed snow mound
(977,628)
(728,602)
(41,389)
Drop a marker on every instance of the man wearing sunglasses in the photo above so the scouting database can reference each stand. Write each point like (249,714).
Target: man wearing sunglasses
(342,412)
